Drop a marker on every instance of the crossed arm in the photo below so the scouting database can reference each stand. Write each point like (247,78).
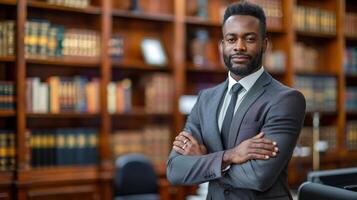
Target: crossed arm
(253,163)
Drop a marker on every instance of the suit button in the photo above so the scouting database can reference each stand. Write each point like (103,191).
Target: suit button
(226,192)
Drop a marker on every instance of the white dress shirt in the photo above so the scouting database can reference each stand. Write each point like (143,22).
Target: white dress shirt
(247,83)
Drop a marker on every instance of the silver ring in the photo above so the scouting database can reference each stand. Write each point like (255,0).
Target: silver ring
(185,141)
(184,146)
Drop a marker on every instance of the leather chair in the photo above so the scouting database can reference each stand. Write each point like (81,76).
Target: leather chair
(316,191)
(135,178)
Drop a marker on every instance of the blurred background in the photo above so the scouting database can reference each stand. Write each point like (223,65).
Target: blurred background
(84,82)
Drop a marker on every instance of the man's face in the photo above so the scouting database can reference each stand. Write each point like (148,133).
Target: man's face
(243,44)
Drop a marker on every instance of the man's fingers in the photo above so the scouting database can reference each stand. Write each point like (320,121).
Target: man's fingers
(254,156)
(182,138)
(263,140)
(269,147)
(178,143)
(260,135)
(179,150)
(263,152)
(189,136)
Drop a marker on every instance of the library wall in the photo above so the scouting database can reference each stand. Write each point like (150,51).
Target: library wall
(77,78)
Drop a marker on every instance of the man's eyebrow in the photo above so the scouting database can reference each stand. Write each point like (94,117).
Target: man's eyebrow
(245,34)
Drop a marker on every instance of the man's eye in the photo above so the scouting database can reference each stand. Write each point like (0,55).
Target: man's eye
(231,40)
(250,39)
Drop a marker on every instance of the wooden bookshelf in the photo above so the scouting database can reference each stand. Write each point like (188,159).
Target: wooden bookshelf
(61,115)
(7,113)
(66,61)
(8,2)
(94,10)
(173,22)
(138,65)
(7,58)
(158,17)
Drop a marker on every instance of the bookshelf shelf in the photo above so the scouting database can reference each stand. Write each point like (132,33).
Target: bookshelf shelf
(6,177)
(62,115)
(308,73)
(94,10)
(351,112)
(143,16)
(207,69)
(202,21)
(315,35)
(7,113)
(7,58)
(138,65)
(8,2)
(141,112)
(50,174)
(352,38)
(322,113)
(66,61)
(351,76)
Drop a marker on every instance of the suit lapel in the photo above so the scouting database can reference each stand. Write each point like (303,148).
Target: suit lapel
(217,98)
(253,94)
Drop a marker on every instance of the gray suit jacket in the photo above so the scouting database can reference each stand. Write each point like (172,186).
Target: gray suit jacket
(268,106)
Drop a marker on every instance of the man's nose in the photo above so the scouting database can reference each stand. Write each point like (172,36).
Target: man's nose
(240,45)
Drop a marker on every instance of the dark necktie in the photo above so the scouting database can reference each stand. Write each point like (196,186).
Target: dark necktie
(229,114)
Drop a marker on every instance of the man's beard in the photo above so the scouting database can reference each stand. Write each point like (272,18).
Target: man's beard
(253,64)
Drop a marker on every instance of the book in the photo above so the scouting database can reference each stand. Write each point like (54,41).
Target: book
(63,146)
(320,92)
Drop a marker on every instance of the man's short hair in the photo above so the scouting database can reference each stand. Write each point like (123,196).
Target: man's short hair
(246,8)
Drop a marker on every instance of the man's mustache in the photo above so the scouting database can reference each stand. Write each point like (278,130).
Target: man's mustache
(240,54)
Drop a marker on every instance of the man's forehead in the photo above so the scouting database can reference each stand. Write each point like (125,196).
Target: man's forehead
(242,20)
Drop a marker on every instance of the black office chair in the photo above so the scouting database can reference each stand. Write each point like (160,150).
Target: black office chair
(135,178)
(316,191)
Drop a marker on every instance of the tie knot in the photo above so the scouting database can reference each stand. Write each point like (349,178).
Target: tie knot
(236,88)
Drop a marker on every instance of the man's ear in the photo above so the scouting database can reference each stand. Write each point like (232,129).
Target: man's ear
(265,43)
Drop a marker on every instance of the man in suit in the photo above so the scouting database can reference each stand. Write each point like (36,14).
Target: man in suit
(240,134)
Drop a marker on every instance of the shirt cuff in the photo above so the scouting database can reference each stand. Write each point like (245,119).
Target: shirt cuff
(226,169)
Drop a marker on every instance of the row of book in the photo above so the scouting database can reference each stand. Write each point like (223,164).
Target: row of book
(63,146)
(71,3)
(119,96)
(159,93)
(314,20)
(320,92)
(275,61)
(351,24)
(116,47)
(7,150)
(350,60)
(305,58)
(43,39)
(273,11)
(326,142)
(154,141)
(351,99)
(7,38)
(62,94)
(351,135)
(7,95)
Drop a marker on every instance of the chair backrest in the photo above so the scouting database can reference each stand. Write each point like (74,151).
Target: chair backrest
(316,191)
(336,177)
(134,174)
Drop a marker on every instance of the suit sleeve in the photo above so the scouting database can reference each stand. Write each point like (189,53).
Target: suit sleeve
(282,124)
(188,170)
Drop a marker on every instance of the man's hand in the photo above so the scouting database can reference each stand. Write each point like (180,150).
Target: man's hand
(257,147)
(187,145)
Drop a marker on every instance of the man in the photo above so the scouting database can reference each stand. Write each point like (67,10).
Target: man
(241,134)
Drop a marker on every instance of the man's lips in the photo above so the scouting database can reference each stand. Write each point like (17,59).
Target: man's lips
(239,58)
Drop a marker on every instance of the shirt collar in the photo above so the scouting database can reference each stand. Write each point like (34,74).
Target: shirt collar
(247,82)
